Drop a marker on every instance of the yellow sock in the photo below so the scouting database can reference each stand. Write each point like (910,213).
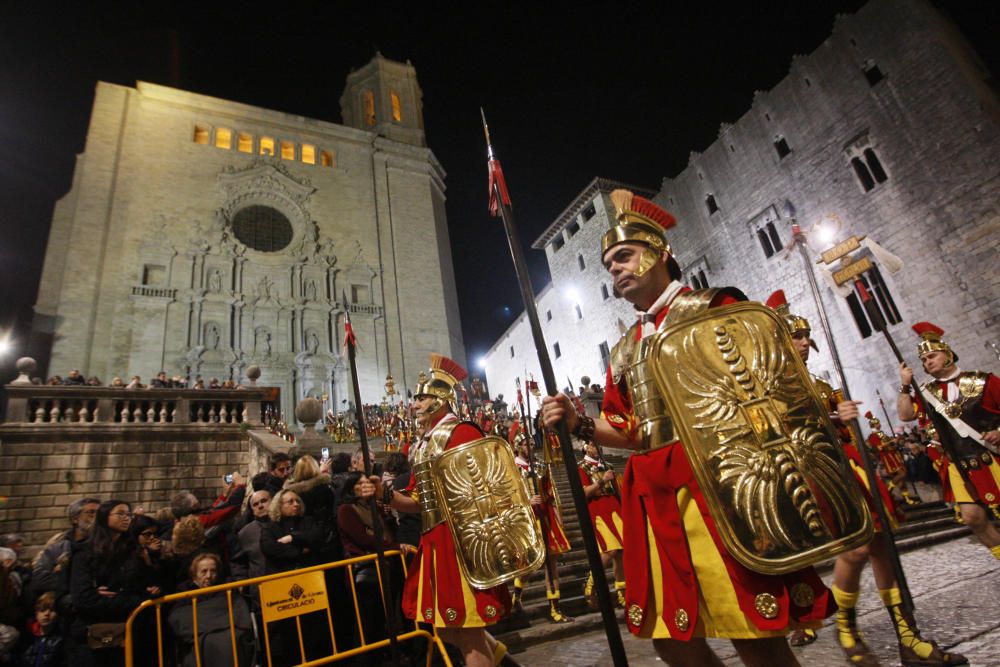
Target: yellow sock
(619,585)
(499,651)
(552,595)
(846,602)
(995,551)
(908,636)
(518,583)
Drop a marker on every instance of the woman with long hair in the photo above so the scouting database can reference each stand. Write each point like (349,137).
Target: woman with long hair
(313,486)
(106,583)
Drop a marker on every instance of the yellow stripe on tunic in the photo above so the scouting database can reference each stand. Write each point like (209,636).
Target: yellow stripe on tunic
(725,618)
(958,484)
(610,540)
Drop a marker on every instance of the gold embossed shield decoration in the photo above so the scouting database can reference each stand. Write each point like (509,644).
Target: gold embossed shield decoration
(759,439)
(489,512)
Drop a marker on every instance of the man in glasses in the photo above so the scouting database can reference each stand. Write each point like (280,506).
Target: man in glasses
(250,556)
(51,570)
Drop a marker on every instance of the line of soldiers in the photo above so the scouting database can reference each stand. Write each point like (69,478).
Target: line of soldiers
(739,481)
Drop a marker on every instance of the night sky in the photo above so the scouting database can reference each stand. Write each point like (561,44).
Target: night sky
(571,92)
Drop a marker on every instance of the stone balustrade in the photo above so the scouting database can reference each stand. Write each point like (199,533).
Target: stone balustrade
(39,405)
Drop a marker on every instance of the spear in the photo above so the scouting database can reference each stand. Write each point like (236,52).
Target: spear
(866,459)
(500,205)
(350,342)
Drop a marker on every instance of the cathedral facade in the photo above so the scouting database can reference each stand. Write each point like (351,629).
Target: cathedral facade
(201,236)
(889,133)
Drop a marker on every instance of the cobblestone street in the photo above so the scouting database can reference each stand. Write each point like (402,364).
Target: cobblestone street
(955,586)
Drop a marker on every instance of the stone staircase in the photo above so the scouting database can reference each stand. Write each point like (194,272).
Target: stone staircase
(927,523)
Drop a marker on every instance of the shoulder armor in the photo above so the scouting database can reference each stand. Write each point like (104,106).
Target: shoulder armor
(622,352)
(972,385)
(691,303)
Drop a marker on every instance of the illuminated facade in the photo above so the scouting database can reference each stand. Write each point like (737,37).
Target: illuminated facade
(201,236)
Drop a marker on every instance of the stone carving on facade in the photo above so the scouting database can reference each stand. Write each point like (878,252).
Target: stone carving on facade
(262,342)
(215,281)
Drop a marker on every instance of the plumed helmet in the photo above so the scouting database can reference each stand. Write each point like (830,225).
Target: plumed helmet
(441,379)
(795,323)
(930,340)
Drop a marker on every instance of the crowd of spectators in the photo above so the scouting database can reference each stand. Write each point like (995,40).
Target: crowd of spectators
(69,605)
(160,381)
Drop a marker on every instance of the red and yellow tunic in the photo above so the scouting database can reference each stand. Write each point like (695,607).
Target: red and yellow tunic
(981,411)
(887,452)
(683,583)
(895,514)
(555,537)
(604,507)
(436,592)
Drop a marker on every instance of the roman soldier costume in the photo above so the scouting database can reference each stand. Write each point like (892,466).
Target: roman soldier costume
(707,554)
(477,531)
(962,408)
(890,457)
(605,509)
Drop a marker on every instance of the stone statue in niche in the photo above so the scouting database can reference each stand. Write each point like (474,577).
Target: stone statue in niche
(262,342)
(310,290)
(312,342)
(215,281)
(212,337)
(262,291)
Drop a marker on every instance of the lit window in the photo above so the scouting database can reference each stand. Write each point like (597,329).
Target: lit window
(224,138)
(267,146)
(369,102)
(326,158)
(244,143)
(200,134)
(308,153)
(710,203)
(397,111)
(287,150)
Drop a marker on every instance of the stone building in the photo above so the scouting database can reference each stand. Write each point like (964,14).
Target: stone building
(889,130)
(202,235)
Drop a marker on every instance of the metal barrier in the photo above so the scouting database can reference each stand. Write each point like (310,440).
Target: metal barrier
(311,598)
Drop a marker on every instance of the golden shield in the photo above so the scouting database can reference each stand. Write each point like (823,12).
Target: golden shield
(489,512)
(759,439)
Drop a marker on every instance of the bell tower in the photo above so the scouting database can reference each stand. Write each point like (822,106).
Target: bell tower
(384,97)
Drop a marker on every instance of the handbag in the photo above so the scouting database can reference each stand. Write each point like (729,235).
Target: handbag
(105,635)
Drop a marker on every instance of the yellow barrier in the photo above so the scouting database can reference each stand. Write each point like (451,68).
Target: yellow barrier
(286,595)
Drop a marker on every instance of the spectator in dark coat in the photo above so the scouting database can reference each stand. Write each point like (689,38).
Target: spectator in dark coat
(47,647)
(215,641)
(313,487)
(50,571)
(106,581)
(290,540)
(249,561)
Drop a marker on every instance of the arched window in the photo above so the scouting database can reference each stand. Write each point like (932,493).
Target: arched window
(875,165)
(864,176)
(368,100)
(397,110)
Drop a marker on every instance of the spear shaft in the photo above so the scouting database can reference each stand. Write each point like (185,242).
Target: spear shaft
(382,570)
(548,375)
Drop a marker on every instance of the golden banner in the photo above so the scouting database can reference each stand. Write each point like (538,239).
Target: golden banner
(293,596)
(831,255)
(851,270)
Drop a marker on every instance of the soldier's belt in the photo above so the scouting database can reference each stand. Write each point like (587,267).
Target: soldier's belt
(976,461)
